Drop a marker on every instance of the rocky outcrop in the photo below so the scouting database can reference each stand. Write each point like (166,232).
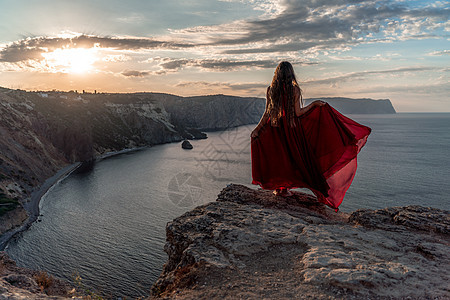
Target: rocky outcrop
(21,283)
(254,245)
(358,106)
(214,112)
(186,145)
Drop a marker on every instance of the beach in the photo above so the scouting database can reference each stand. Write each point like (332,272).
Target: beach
(32,206)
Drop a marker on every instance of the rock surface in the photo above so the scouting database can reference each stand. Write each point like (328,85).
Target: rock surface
(21,283)
(13,219)
(250,244)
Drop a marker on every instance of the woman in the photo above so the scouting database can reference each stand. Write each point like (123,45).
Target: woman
(312,147)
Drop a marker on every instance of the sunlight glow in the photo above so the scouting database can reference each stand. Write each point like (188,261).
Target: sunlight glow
(71,60)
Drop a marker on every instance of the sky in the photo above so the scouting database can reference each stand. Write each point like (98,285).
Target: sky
(397,50)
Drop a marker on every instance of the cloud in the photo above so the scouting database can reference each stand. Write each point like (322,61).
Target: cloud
(135,73)
(285,28)
(427,89)
(248,86)
(132,18)
(170,64)
(376,57)
(32,48)
(439,53)
(116,58)
(321,25)
(361,75)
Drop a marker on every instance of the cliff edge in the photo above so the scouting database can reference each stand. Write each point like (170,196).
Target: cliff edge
(22,283)
(251,244)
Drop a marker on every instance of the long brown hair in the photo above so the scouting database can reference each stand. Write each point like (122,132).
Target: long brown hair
(283,85)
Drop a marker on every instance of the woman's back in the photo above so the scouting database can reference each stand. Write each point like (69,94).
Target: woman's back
(311,147)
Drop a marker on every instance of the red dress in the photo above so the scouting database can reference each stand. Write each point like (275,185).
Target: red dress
(319,153)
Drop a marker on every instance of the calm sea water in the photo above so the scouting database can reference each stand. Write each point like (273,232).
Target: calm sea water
(108,225)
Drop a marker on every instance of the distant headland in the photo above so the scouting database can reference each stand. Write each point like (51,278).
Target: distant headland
(358,106)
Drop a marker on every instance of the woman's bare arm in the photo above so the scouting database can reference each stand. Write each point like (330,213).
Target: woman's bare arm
(302,110)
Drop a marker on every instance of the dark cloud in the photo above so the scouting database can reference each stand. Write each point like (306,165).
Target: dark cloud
(292,46)
(300,25)
(135,73)
(223,64)
(32,48)
(311,24)
(232,86)
(175,64)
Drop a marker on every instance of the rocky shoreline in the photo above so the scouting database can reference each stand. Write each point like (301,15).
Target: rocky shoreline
(251,244)
(32,207)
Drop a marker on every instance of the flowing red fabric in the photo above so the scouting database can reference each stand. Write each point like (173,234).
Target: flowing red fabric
(318,153)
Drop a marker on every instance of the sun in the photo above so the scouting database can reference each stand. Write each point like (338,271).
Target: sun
(71,60)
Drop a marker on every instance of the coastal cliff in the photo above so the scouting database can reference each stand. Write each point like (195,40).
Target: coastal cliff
(254,245)
(43,132)
(215,112)
(358,106)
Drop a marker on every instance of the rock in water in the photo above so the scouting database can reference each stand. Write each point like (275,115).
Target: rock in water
(251,244)
(186,145)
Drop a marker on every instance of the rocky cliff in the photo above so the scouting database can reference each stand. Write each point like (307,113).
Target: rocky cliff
(358,106)
(214,112)
(250,244)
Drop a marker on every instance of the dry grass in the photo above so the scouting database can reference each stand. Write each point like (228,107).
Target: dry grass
(44,280)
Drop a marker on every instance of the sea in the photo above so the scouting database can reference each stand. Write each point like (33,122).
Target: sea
(106,226)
